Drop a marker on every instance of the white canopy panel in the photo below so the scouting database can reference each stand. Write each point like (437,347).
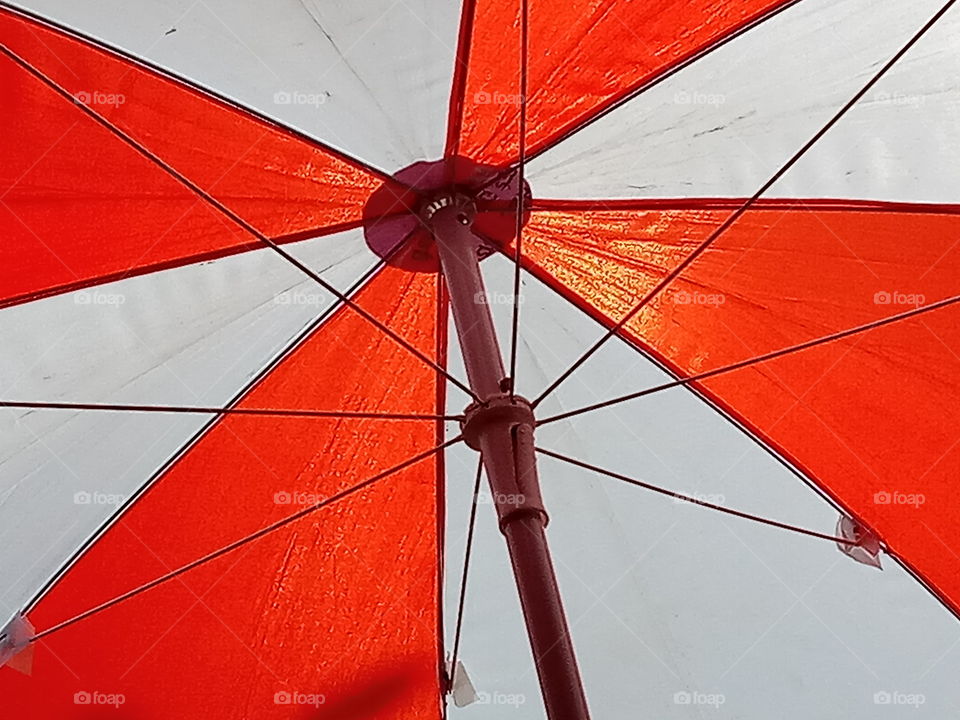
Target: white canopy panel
(723,125)
(191,336)
(678,611)
(371,78)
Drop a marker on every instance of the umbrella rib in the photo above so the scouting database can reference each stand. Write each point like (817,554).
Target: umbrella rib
(196,410)
(515,322)
(899,317)
(247,539)
(231,215)
(693,500)
(466,570)
(461,72)
(733,217)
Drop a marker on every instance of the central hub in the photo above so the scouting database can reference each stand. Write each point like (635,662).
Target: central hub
(499,410)
(394,222)
(464,206)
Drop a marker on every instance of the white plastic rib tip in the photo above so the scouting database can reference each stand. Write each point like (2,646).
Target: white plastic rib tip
(15,647)
(462,689)
(867,550)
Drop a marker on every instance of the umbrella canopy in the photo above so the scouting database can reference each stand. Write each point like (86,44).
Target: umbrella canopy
(226,484)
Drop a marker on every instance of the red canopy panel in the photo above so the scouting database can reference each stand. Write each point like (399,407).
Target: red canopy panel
(583,57)
(79,206)
(871,418)
(333,616)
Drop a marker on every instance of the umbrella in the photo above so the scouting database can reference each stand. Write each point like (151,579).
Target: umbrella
(241,432)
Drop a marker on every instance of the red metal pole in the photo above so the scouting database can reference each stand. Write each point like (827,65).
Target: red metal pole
(501,428)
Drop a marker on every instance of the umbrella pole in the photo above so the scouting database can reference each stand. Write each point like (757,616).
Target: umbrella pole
(501,428)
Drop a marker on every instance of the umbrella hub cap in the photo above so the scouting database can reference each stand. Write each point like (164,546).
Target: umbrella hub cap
(395,215)
(497,412)
(465,206)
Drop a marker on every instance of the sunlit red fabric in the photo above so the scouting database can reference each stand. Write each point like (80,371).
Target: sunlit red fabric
(81,206)
(870,418)
(342,604)
(584,56)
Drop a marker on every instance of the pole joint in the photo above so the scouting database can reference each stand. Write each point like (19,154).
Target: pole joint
(508,422)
